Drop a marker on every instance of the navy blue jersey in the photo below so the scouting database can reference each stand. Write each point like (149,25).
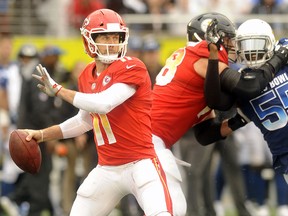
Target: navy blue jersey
(269,112)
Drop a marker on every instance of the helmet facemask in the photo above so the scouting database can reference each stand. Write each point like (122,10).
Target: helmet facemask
(229,45)
(254,51)
(107,57)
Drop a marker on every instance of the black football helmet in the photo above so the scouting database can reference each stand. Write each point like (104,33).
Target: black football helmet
(197,26)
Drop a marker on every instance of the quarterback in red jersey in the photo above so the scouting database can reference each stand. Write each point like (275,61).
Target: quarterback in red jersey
(114,100)
(133,115)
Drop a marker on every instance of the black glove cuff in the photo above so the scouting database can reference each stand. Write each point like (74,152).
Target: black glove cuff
(236,122)
(208,132)
(278,60)
(275,62)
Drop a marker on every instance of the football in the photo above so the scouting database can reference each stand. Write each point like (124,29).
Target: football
(26,155)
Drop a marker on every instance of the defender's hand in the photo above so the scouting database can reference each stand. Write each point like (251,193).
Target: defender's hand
(283,41)
(213,35)
(48,86)
(238,121)
(281,50)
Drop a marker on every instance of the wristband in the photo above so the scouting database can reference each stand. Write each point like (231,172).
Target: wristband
(59,87)
(42,136)
(236,122)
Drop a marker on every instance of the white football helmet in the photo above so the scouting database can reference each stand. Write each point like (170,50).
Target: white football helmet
(255,43)
(100,22)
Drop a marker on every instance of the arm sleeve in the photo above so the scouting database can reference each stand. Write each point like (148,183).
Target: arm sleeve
(246,84)
(215,97)
(243,85)
(249,84)
(77,125)
(104,101)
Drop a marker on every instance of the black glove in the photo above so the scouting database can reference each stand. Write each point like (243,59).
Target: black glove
(238,121)
(213,35)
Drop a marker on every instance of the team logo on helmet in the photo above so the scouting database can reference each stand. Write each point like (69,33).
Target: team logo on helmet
(204,24)
(86,22)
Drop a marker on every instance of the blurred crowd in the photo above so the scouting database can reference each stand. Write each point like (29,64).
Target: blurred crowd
(63,18)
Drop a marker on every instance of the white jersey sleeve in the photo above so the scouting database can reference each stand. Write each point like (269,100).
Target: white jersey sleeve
(77,125)
(104,101)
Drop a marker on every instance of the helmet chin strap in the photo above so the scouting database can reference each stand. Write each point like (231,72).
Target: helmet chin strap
(107,59)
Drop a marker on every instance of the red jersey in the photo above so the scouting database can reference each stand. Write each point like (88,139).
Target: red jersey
(124,134)
(178,95)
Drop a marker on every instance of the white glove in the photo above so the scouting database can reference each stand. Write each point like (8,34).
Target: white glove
(48,86)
